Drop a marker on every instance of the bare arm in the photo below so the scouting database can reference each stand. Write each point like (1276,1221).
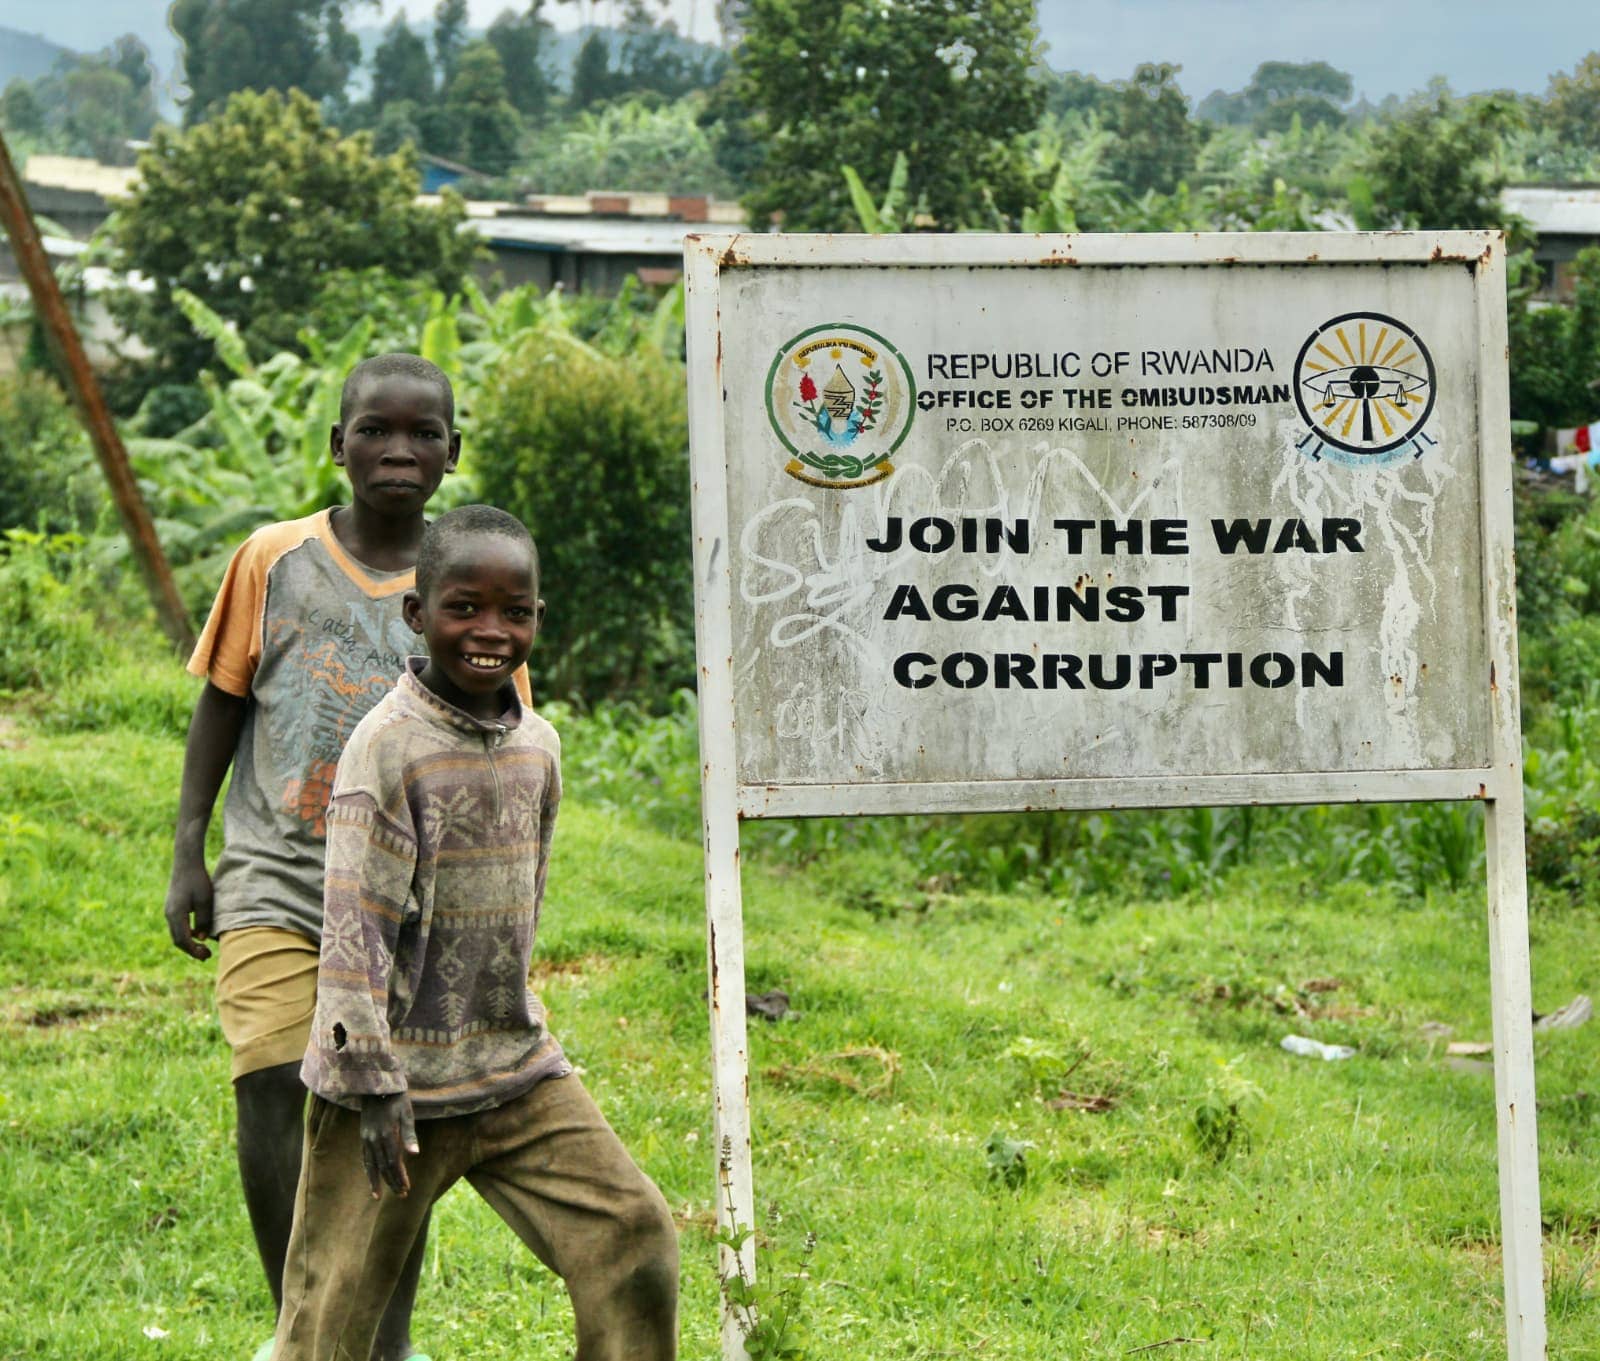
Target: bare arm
(213,736)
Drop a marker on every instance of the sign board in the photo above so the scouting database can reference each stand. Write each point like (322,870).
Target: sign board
(1024,522)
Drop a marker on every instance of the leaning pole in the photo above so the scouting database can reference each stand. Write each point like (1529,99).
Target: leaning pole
(65,345)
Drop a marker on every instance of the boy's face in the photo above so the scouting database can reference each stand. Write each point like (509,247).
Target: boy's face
(396,445)
(479,619)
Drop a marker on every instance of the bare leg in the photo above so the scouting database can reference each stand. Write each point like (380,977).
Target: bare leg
(271,1109)
(271,1112)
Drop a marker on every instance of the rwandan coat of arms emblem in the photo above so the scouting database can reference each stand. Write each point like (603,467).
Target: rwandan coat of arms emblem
(841,399)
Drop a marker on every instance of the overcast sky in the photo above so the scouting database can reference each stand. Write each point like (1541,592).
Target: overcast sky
(1389,48)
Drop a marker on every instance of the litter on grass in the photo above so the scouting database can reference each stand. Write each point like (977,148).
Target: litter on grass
(1569,1017)
(1315,1049)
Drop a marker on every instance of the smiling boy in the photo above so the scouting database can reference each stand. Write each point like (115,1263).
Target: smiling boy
(305,636)
(430,1060)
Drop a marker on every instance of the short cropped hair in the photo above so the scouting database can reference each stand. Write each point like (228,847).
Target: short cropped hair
(465,522)
(397,365)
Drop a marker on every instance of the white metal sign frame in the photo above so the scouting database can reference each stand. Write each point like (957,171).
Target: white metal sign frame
(709,262)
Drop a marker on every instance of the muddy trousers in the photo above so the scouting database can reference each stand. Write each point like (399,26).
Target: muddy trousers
(547,1163)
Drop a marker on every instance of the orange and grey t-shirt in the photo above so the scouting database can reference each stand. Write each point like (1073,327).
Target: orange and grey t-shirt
(313,639)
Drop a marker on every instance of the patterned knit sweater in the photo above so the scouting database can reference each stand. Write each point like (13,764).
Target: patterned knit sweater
(438,842)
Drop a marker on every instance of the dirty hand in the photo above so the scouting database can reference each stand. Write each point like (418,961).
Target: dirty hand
(189,901)
(388,1133)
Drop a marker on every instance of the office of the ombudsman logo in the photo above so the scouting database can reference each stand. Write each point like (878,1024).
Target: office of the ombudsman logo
(1364,383)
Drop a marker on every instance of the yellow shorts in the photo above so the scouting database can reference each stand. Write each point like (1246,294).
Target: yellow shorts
(266,995)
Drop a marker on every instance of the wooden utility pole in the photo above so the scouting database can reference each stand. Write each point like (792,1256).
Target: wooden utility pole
(17,220)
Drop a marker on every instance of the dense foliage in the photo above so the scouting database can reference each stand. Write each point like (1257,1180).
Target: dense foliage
(87,106)
(253,210)
(1431,165)
(951,86)
(1555,351)
(588,445)
(629,143)
(1280,91)
(279,249)
(48,480)
(1132,972)
(261,45)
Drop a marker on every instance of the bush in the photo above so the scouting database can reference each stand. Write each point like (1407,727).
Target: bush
(627,146)
(590,451)
(47,632)
(48,479)
(170,408)
(81,648)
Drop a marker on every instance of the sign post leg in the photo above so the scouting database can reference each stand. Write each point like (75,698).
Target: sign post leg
(729,1052)
(1511,996)
(719,787)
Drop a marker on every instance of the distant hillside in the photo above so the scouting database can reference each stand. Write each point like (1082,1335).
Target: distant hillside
(26,55)
(30,56)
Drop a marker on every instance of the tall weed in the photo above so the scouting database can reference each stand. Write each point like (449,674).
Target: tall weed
(47,631)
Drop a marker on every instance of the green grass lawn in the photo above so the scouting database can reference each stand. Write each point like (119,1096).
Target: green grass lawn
(1196,1187)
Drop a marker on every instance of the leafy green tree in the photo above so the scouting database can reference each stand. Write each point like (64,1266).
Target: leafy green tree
(1280,91)
(449,37)
(401,70)
(1279,80)
(1250,180)
(231,45)
(86,106)
(398,125)
(21,114)
(1307,110)
(132,59)
(252,210)
(487,126)
(1068,92)
(1554,351)
(1433,164)
(1157,141)
(102,109)
(47,476)
(734,132)
(1572,104)
(593,80)
(953,85)
(1068,155)
(520,41)
(654,58)
(1225,108)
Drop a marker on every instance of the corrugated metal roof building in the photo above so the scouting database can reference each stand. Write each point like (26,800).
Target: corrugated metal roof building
(1567,219)
(590,244)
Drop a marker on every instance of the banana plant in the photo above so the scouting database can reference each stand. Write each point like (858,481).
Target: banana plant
(890,215)
(260,452)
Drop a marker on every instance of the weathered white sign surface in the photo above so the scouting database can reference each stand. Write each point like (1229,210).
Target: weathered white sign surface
(1049,523)
(1028,522)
